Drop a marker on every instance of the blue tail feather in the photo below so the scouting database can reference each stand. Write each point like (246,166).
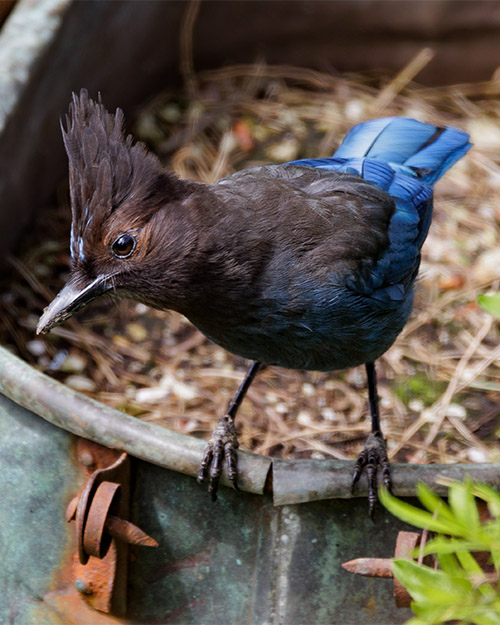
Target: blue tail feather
(404,158)
(407,146)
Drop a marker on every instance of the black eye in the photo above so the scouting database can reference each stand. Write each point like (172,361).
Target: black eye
(124,246)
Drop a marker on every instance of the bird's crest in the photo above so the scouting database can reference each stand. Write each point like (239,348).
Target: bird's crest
(107,170)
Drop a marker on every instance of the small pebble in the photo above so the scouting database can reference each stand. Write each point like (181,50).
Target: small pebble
(457,411)
(417,405)
(80,383)
(487,266)
(304,418)
(36,347)
(285,150)
(170,113)
(329,414)
(73,363)
(151,395)
(281,408)
(308,389)
(177,388)
(354,110)
(57,361)
(271,398)
(477,455)
(316,455)
(357,377)
(190,426)
(137,332)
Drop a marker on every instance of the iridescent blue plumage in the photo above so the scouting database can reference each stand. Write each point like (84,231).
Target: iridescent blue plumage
(404,158)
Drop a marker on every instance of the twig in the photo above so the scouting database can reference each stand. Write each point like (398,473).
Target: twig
(186,49)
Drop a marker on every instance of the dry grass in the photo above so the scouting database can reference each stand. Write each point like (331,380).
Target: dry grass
(439,384)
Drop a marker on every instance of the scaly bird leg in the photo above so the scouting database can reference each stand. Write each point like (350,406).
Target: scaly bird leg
(375,451)
(224,442)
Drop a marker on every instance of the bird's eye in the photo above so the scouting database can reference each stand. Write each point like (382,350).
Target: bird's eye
(124,245)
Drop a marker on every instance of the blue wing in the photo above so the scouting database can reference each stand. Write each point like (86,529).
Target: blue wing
(404,158)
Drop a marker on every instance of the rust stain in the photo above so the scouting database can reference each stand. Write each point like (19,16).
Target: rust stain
(175,614)
(201,557)
(82,591)
(93,456)
(370,607)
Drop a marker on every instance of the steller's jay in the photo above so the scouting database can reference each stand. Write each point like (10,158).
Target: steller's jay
(306,265)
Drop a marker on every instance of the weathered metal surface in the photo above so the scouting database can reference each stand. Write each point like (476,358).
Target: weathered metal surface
(100,512)
(99,497)
(241,560)
(244,560)
(381,567)
(37,478)
(299,481)
(90,419)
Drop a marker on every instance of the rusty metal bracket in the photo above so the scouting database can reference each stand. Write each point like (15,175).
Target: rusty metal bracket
(406,544)
(103,530)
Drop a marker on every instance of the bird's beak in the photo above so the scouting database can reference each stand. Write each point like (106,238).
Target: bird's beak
(71,299)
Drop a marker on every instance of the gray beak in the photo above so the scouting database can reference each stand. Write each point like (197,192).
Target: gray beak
(70,300)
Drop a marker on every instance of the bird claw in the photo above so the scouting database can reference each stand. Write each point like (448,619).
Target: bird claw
(221,447)
(374,454)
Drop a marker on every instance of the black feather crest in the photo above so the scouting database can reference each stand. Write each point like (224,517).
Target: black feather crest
(106,169)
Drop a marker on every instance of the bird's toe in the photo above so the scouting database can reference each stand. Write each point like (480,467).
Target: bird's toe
(221,448)
(373,455)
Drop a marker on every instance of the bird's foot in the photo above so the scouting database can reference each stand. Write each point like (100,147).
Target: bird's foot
(221,447)
(373,455)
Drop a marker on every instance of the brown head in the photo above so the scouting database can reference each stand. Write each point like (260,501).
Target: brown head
(127,212)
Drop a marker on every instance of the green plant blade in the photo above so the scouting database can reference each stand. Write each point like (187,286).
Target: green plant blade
(463,505)
(433,502)
(430,586)
(420,518)
(490,303)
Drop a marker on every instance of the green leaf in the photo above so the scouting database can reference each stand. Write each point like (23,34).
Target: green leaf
(463,505)
(433,502)
(490,496)
(420,518)
(440,544)
(428,614)
(490,303)
(449,564)
(476,574)
(480,615)
(495,556)
(427,585)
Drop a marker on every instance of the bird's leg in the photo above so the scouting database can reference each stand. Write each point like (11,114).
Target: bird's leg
(224,442)
(375,451)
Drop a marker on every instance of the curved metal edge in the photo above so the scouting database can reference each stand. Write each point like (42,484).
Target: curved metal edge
(299,481)
(90,419)
(26,34)
(293,481)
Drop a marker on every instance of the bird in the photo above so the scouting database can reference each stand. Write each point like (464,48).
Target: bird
(307,265)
